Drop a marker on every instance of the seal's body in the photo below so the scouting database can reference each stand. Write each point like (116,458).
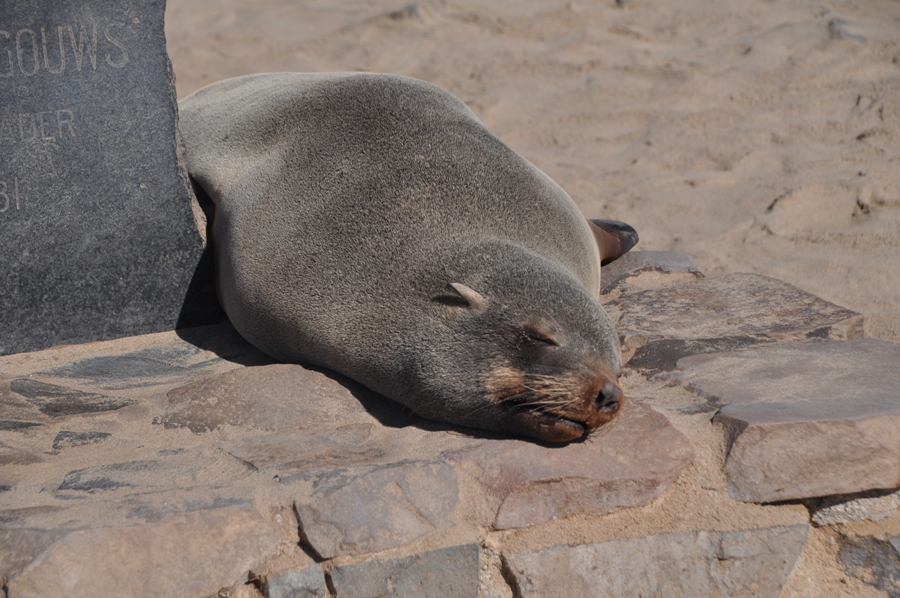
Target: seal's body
(372,225)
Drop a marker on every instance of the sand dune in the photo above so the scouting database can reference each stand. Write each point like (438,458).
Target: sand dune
(756,136)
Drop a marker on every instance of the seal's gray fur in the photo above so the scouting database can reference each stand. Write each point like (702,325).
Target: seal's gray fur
(353,215)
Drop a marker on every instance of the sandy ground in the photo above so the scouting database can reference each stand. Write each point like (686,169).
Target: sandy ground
(756,136)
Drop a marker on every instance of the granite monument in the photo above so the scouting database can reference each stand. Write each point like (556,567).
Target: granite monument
(97,230)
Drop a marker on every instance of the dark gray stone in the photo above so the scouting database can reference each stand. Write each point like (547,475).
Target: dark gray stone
(58,401)
(105,477)
(702,564)
(873,561)
(99,236)
(66,439)
(140,368)
(838,29)
(297,583)
(445,573)
(10,424)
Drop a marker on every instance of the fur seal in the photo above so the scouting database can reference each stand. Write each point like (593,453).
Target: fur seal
(370,224)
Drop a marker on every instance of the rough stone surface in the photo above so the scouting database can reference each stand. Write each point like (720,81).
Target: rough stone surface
(176,439)
(644,269)
(95,215)
(875,562)
(445,573)
(169,558)
(362,510)
(751,563)
(660,326)
(872,506)
(805,420)
(275,398)
(297,583)
(624,464)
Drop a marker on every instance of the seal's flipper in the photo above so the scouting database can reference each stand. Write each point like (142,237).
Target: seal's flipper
(460,295)
(614,239)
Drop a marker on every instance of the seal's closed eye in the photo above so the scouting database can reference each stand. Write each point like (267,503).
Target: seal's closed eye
(533,338)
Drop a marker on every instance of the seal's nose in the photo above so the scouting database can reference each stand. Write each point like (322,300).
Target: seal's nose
(609,397)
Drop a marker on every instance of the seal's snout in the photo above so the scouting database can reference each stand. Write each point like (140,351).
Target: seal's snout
(609,398)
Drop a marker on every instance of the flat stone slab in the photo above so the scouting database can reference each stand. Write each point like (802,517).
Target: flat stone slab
(100,239)
(660,326)
(274,398)
(297,583)
(144,427)
(627,463)
(445,573)
(136,435)
(698,564)
(805,420)
(647,269)
(167,558)
(363,510)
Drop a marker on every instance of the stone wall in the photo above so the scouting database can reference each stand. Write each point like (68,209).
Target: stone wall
(757,455)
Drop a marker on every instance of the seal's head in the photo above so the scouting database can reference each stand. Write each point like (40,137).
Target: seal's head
(523,348)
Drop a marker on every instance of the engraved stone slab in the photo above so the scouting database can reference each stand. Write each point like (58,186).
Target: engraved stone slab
(700,563)
(660,326)
(99,238)
(805,420)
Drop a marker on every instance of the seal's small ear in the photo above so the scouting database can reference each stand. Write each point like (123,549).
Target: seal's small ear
(460,295)
(614,239)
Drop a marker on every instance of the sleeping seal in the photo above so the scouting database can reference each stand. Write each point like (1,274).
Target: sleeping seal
(370,224)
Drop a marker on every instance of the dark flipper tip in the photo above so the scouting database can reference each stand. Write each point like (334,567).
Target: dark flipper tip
(614,239)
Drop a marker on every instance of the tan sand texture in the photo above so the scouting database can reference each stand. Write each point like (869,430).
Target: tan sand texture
(756,136)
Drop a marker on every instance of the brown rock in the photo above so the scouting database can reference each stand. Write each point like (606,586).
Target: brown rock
(647,269)
(660,326)
(18,547)
(190,555)
(805,420)
(355,511)
(625,464)
(277,397)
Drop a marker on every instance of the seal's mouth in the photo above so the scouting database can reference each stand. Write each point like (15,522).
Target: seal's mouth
(564,424)
(554,408)
(549,427)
